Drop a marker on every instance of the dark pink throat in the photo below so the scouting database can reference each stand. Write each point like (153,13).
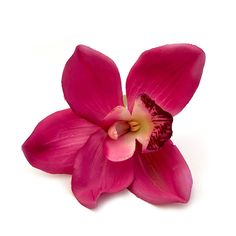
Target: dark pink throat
(162,122)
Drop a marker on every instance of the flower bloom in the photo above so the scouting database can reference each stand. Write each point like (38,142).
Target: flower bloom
(107,146)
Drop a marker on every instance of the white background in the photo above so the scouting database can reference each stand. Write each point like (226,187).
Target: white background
(37,38)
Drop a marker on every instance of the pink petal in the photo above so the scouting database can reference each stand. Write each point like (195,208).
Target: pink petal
(116,114)
(91,84)
(53,145)
(94,174)
(121,149)
(162,177)
(169,74)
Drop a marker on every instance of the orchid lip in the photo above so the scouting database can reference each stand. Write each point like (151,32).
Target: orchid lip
(162,124)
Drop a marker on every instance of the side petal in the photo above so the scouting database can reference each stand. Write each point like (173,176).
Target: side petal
(53,145)
(91,84)
(162,177)
(94,174)
(169,74)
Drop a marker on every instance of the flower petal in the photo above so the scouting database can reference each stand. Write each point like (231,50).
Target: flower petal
(121,149)
(162,177)
(94,174)
(116,114)
(169,74)
(91,84)
(53,145)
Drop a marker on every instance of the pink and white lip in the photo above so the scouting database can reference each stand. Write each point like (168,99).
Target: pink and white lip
(108,147)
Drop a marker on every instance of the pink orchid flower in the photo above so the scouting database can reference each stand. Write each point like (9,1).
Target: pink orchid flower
(107,146)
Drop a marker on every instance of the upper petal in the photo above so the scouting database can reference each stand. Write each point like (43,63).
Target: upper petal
(162,177)
(94,174)
(91,84)
(169,74)
(53,145)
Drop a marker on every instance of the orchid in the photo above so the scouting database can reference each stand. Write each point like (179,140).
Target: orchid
(107,146)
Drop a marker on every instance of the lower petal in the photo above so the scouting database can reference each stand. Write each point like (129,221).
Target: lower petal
(162,177)
(53,145)
(94,174)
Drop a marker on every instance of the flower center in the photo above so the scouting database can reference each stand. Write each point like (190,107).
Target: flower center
(120,128)
(148,123)
(134,125)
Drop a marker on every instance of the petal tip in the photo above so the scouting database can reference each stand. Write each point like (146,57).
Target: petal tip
(200,55)
(199,52)
(81,48)
(28,149)
(85,200)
